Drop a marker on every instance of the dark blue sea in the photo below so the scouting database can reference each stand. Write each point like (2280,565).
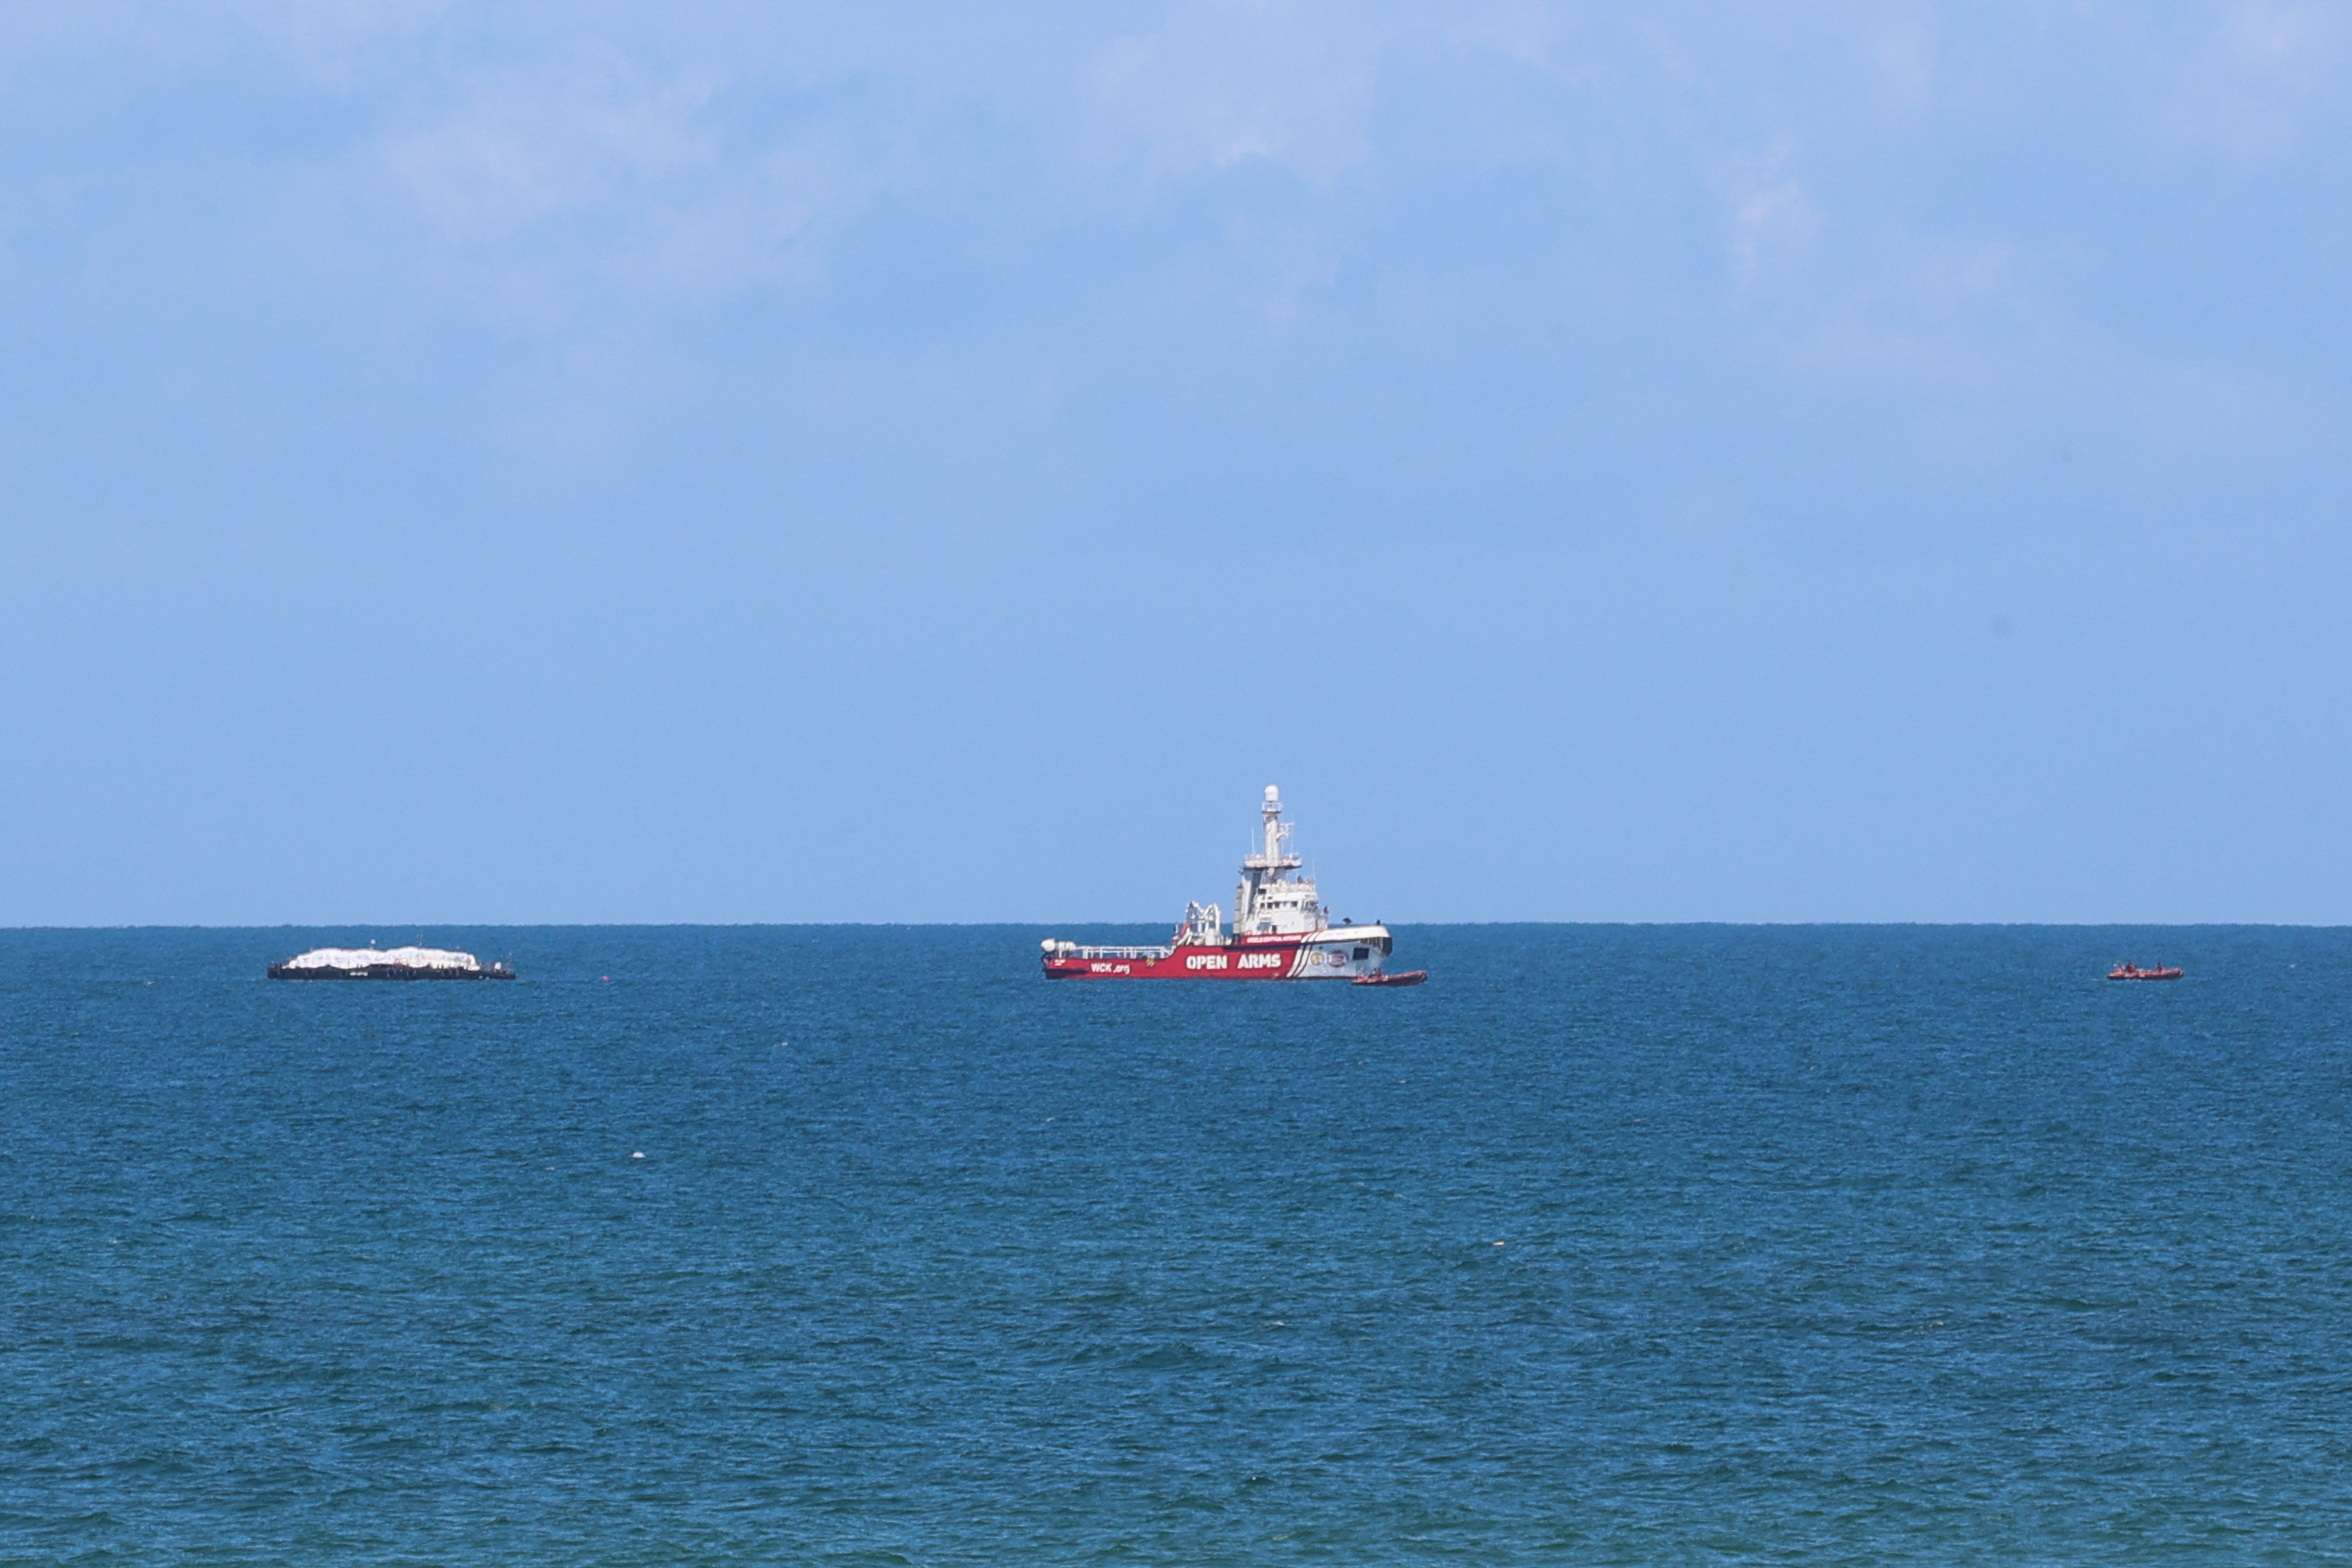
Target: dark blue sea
(1609,1245)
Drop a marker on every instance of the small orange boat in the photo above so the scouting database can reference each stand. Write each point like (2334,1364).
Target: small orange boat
(2135,972)
(1400,977)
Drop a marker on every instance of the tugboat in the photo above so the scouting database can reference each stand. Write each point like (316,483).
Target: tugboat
(398,963)
(1280,931)
(2135,972)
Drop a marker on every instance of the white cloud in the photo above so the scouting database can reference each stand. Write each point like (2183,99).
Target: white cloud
(1229,83)
(522,175)
(1902,53)
(1769,214)
(1293,83)
(527,146)
(327,38)
(2261,70)
(743,229)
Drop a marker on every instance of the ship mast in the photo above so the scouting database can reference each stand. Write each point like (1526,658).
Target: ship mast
(1259,869)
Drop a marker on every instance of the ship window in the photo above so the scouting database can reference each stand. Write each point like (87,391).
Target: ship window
(1363,953)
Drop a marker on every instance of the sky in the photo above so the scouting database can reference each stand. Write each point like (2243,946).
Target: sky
(567,460)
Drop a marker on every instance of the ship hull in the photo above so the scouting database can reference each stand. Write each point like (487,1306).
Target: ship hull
(1322,957)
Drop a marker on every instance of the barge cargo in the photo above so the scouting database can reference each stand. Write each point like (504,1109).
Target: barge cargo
(398,963)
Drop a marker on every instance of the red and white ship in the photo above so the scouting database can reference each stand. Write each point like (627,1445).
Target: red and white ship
(1280,931)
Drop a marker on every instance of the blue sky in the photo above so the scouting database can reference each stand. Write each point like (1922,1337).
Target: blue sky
(594,461)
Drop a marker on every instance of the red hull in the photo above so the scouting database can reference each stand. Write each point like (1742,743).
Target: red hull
(1242,961)
(1401,977)
(2135,972)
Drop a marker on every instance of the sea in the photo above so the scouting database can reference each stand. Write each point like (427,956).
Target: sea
(868,1245)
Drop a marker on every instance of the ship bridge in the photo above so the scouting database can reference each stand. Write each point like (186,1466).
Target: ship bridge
(1270,901)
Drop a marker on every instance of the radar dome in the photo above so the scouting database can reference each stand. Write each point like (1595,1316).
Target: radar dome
(1272,793)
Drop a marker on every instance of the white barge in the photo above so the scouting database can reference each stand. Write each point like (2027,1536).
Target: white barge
(395,963)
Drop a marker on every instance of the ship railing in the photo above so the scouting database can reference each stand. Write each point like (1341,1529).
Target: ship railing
(1119,952)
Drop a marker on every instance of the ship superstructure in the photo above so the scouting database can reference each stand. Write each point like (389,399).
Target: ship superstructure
(1281,930)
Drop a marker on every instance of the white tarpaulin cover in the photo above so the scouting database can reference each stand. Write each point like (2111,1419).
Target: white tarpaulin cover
(362,957)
